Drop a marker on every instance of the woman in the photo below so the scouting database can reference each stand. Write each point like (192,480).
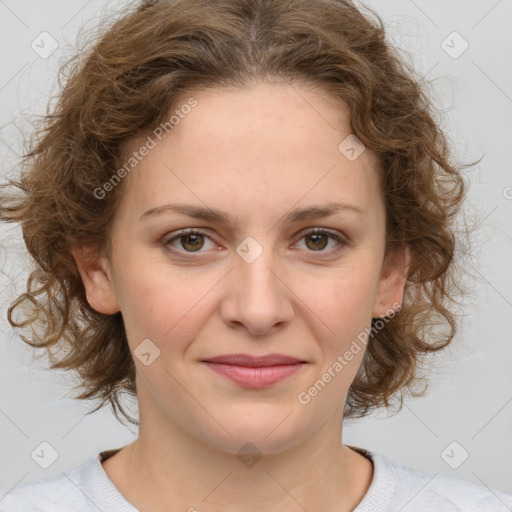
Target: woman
(241,212)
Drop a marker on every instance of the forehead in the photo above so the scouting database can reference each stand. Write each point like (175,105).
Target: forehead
(264,116)
(250,147)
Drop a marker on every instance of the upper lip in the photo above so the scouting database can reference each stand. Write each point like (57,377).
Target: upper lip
(254,361)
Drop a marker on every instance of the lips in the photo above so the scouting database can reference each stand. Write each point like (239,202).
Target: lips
(254,361)
(255,371)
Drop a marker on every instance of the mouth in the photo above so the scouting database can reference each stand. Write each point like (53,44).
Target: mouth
(255,371)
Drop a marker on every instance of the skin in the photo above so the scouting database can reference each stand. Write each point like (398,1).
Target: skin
(256,154)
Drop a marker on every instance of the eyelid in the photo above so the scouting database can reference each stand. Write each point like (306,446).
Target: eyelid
(341,239)
(333,232)
(338,236)
(176,235)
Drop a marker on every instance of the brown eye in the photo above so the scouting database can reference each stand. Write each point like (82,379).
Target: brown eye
(192,241)
(187,241)
(318,241)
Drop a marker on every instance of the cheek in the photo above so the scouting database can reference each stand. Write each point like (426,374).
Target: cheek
(164,305)
(340,305)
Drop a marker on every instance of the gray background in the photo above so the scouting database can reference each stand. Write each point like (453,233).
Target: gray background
(468,410)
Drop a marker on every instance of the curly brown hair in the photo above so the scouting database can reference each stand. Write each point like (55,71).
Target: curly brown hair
(125,82)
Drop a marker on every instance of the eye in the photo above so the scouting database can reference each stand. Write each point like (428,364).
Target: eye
(316,240)
(191,240)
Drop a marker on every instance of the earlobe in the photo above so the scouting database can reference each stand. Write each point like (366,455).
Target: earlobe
(97,280)
(392,283)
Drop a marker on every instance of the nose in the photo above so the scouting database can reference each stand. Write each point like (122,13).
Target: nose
(258,298)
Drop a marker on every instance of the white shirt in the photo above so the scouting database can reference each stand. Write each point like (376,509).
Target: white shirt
(394,488)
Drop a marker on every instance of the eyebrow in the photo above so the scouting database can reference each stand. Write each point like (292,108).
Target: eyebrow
(295,215)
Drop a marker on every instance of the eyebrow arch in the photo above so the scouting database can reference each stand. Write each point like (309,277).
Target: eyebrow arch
(295,215)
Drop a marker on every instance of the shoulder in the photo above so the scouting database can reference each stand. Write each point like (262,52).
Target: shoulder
(59,493)
(420,491)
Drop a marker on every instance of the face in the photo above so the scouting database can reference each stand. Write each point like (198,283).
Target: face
(258,278)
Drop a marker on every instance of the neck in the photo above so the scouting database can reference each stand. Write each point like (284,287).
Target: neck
(170,469)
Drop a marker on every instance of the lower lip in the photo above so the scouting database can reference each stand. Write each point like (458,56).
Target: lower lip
(255,377)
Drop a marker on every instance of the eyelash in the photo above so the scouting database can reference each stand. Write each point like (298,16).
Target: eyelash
(341,242)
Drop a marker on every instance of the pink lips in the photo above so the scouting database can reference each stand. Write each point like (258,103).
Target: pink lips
(255,371)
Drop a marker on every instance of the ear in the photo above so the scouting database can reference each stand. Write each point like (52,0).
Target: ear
(96,276)
(393,278)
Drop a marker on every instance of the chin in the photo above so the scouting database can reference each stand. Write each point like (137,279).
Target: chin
(263,434)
